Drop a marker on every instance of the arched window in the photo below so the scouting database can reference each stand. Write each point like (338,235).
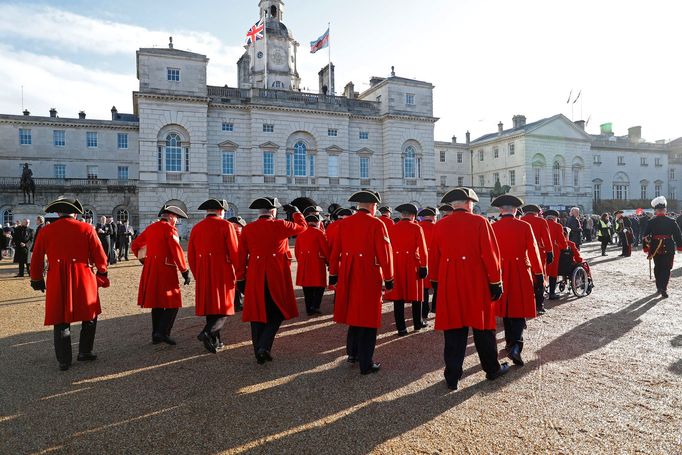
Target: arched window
(7,217)
(576,177)
(409,160)
(556,174)
(278,84)
(122,215)
(173,153)
(300,157)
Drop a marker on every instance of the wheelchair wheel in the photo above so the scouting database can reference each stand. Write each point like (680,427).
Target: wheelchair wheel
(562,285)
(579,282)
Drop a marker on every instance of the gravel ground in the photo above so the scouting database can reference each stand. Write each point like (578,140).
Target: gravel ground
(603,374)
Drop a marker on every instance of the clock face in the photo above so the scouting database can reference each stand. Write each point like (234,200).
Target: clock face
(260,55)
(278,57)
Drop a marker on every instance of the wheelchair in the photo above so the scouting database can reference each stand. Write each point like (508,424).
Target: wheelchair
(576,276)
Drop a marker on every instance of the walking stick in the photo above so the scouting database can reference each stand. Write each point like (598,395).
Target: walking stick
(649,269)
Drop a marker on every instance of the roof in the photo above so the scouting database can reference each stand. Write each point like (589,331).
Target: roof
(513,131)
(130,120)
(171,52)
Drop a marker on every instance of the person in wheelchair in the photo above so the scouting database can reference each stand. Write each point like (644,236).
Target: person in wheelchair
(574,270)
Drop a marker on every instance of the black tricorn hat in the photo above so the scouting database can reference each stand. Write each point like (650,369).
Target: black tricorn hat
(445,208)
(407,208)
(428,211)
(385,209)
(237,220)
(531,208)
(459,194)
(311,209)
(312,218)
(366,196)
(547,213)
(333,208)
(64,205)
(507,200)
(174,210)
(214,204)
(266,203)
(343,212)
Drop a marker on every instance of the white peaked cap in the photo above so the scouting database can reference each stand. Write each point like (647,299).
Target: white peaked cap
(660,200)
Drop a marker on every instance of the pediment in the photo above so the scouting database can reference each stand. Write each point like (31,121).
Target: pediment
(365,151)
(269,146)
(560,127)
(334,150)
(228,145)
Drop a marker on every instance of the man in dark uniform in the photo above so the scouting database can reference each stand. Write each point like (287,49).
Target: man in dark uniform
(636,233)
(624,230)
(23,236)
(104,234)
(661,238)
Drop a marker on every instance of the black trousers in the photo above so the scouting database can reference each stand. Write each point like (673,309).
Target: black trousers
(263,333)
(588,235)
(313,298)
(425,305)
(214,324)
(123,250)
(360,343)
(455,350)
(663,264)
(604,244)
(539,290)
(625,244)
(163,320)
(552,285)
(237,300)
(513,331)
(399,314)
(62,340)
(22,268)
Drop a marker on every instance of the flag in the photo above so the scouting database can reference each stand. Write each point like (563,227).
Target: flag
(569,97)
(320,43)
(255,33)
(576,98)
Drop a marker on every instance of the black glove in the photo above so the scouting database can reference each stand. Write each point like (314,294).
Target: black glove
(241,286)
(185,275)
(388,284)
(333,279)
(434,285)
(423,271)
(289,209)
(495,291)
(550,257)
(38,285)
(539,280)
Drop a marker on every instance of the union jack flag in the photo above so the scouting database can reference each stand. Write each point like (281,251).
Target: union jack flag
(255,33)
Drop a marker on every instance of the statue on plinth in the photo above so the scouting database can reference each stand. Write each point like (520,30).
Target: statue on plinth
(28,185)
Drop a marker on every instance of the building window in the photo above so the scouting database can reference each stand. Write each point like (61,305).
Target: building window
(496,152)
(512,149)
(173,74)
(278,84)
(228,126)
(92,172)
(657,162)
(496,177)
(672,173)
(300,154)
(7,217)
(333,166)
(643,161)
(333,132)
(173,153)
(673,193)
(443,180)
(460,181)
(480,155)
(122,141)
(621,161)
(642,191)
(289,160)
(481,180)
(160,159)
(596,159)
(59,138)
(460,157)
(186,159)
(268,163)
(123,172)
(537,175)
(364,167)
(512,178)
(596,192)
(657,189)
(409,99)
(91,139)
(122,215)
(556,174)
(25,136)
(409,164)
(442,156)
(364,135)
(576,177)
(311,165)
(60,171)
(268,128)
(228,163)
(620,192)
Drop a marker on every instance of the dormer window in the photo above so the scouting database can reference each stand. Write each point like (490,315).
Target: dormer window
(173,74)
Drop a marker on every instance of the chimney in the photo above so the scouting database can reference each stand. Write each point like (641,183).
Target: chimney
(26,112)
(500,128)
(454,139)
(635,133)
(375,80)
(519,121)
(114,113)
(606,129)
(580,124)
(53,113)
(81,115)
(468,137)
(349,90)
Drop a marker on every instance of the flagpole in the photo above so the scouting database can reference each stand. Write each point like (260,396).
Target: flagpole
(329,49)
(265,31)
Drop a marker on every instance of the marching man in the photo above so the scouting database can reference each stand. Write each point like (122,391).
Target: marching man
(559,244)
(544,242)
(312,253)
(662,237)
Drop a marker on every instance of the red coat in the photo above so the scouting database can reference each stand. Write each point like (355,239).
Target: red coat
(520,264)
(388,222)
(264,251)
(312,254)
(212,254)
(427,227)
(577,258)
(556,232)
(464,259)
(361,257)
(541,233)
(72,247)
(409,254)
(159,285)
(331,232)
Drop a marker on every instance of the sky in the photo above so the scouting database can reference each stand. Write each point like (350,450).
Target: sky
(488,59)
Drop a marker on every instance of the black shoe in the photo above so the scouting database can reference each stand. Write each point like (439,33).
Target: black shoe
(554,297)
(86,357)
(18,276)
(168,340)
(260,358)
(540,310)
(267,356)
(317,311)
(156,339)
(64,366)
(664,294)
(209,344)
(352,359)
(515,355)
(373,369)
(504,369)
(220,346)
(402,333)
(451,385)
(201,336)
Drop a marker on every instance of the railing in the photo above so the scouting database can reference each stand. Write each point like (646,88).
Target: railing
(228,179)
(14,183)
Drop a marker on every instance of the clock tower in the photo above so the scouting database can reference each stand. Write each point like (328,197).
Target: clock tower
(277,50)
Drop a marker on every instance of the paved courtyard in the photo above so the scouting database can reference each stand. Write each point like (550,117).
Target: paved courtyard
(603,374)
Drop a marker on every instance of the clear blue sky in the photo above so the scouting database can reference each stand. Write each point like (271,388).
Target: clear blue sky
(488,59)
